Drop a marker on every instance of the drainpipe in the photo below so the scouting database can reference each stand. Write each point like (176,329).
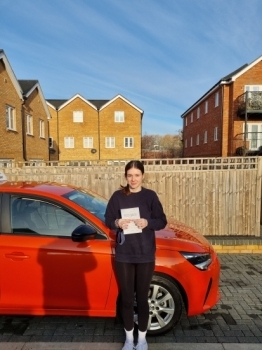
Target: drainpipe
(23,131)
(222,122)
(48,125)
(98,121)
(57,128)
(141,137)
(245,133)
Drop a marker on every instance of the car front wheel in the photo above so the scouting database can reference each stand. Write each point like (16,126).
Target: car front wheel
(165,305)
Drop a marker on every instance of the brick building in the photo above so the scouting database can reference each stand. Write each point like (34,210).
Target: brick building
(82,129)
(35,129)
(227,119)
(24,129)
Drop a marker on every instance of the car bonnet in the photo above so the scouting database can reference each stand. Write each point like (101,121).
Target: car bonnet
(179,235)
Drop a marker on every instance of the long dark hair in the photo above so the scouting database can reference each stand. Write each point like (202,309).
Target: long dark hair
(132,164)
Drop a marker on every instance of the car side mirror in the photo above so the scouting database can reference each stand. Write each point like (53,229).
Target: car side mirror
(82,233)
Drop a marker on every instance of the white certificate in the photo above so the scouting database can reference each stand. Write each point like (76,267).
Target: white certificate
(131,213)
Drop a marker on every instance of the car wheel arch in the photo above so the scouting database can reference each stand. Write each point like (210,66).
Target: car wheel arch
(177,284)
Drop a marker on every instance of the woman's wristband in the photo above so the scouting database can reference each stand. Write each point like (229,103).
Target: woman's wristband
(116,223)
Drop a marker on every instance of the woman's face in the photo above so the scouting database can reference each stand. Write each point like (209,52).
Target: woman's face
(134,178)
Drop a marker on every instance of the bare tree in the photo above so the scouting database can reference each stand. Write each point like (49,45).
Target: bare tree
(157,146)
(148,142)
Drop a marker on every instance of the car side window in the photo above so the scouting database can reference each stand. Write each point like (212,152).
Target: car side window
(39,217)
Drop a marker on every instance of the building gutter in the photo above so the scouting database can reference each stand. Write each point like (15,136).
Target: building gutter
(204,97)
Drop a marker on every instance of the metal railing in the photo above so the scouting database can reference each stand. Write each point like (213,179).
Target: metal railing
(250,100)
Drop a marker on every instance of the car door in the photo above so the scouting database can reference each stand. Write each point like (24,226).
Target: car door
(43,270)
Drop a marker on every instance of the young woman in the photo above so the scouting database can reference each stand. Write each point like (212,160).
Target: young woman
(136,213)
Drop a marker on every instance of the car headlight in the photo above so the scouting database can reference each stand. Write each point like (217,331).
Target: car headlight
(199,260)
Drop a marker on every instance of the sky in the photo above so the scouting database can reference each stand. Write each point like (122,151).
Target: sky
(161,55)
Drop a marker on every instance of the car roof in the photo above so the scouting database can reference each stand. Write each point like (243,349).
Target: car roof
(36,187)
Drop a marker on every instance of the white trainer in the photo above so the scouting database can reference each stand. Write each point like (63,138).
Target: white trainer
(128,346)
(141,346)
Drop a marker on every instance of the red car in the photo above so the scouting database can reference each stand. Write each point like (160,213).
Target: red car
(57,259)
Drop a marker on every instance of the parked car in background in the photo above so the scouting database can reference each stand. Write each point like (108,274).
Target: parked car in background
(57,259)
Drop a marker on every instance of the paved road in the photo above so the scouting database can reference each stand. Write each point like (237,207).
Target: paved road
(235,323)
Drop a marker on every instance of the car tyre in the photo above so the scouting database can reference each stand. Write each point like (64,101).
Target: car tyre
(165,305)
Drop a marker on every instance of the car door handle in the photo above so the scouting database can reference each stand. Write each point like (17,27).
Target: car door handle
(17,256)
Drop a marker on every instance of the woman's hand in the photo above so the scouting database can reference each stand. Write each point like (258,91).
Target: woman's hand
(123,223)
(141,223)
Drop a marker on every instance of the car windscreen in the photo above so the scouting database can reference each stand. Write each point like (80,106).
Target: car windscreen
(90,201)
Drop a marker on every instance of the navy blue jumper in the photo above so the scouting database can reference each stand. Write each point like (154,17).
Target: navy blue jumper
(138,247)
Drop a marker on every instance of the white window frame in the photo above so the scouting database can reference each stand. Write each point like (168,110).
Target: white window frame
(10,117)
(42,128)
(197,140)
(215,133)
(110,142)
(192,117)
(119,116)
(78,116)
(88,142)
(205,136)
(69,142)
(128,142)
(185,143)
(206,107)
(217,99)
(185,121)
(198,112)
(29,125)
(191,141)
(253,88)
(254,136)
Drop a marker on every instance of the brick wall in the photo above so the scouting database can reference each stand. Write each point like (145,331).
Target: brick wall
(98,125)
(11,144)
(53,132)
(225,117)
(67,128)
(205,123)
(19,145)
(252,76)
(36,146)
(131,127)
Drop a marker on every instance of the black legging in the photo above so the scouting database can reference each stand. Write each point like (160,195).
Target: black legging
(134,278)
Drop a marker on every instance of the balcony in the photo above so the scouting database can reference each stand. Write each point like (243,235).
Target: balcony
(250,101)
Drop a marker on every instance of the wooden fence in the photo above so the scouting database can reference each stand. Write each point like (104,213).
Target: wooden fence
(220,196)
